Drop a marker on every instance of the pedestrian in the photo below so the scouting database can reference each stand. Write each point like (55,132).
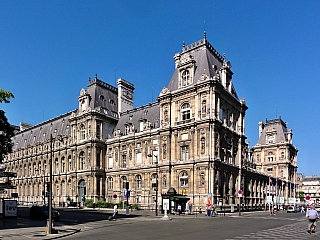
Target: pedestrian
(302,209)
(115,211)
(272,211)
(213,211)
(179,209)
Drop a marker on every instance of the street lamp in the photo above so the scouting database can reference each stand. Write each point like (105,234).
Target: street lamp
(156,188)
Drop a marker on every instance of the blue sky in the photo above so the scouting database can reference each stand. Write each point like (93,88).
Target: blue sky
(49,49)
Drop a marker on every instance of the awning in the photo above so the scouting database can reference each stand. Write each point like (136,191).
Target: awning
(179,198)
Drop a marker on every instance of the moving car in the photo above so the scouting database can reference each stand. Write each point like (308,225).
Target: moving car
(42,213)
(291,210)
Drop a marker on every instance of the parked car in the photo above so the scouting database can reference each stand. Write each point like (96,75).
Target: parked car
(27,203)
(42,213)
(291,210)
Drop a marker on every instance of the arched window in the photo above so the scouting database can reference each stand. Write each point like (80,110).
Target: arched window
(202,179)
(185,111)
(82,158)
(138,181)
(69,163)
(83,132)
(63,165)
(110,183)
(185,78)
(56,165)
(184,179)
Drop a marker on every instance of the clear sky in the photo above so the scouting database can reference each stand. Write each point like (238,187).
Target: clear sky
(49,49)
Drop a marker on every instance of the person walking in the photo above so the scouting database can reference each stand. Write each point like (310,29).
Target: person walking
(115,211)
(312,215)
(179,209)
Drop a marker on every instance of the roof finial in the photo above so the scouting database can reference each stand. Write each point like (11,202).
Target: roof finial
(96,77)
(183,45)
(204,31)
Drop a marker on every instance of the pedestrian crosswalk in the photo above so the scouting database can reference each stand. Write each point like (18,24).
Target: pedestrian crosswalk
(296,230)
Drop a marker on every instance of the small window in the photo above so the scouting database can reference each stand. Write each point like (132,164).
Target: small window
(101,97)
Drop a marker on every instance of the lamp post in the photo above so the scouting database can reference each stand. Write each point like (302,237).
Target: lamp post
(156,188)
(50,187)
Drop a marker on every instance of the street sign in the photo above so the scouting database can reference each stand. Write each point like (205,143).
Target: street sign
(307,198)
(240,193)
(269,199)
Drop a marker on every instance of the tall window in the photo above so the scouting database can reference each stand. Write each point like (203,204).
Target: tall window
(185,111)
(184,153)
(63,165)
(138,181)
(124,161)
(110,183)
(98,158)
(57,165)
(82,158)
(154,179)
(185,78)
(70,162)
(270,156)
(83,132)
(184,179)
(123,182)
(98,130)
(202,180)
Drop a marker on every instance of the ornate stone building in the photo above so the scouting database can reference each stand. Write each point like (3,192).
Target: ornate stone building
(276,156)
(191,139)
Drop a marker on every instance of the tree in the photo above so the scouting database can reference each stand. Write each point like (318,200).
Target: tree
(5,96)
(6,130)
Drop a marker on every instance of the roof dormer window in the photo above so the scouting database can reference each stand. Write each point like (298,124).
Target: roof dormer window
(185,78)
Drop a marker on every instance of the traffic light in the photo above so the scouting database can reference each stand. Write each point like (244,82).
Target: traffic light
(48,186)
(127,185)
(43,192)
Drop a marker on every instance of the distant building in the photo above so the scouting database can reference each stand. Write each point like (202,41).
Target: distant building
(275,155)
(191,139)
(309,187)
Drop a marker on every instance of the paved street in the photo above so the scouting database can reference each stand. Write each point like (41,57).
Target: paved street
(249,226)
(93,225)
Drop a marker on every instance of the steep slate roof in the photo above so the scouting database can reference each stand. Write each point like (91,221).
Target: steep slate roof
(275,125)
(103,95)
(148,113)
(207,58)
(41,132)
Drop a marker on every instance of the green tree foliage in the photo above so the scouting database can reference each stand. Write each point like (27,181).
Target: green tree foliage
(6,130)
(5,96)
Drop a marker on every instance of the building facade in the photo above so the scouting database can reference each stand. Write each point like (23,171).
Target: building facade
(191,139)
(308,188)
(275,155)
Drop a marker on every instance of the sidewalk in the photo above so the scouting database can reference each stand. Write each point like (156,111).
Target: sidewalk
(20,229)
